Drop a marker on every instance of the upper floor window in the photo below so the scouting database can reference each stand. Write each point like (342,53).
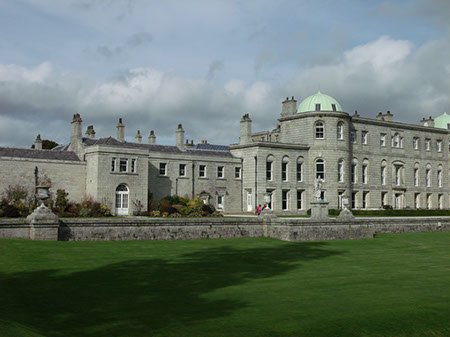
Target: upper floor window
(162,169)
(333,107)
(398,174)
(428,176)
(382,139)
(320,169)
(353,136)
(113,164)
(427,144)
(220,172)
(123,165)
(317,107)
(354,171)
(416,174)
(439,177)
(439,145)
(365,173)
(364,137)
(182,170)
(133,165)
(383,175)
(202,171)
(269,168)
(340,130)
(284,168)
(320,130)
(340,171)
(396,140)
(300,169)
(415,143)
(237,172)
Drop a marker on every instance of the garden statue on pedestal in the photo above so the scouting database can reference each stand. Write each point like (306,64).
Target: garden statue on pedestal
(319,207)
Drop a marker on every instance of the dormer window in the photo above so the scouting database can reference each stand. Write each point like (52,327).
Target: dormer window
(333,106)
(317,107)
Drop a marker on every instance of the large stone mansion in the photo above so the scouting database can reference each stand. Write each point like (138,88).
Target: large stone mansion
(372,162)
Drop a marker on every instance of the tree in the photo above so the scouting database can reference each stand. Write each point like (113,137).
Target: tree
(47,144)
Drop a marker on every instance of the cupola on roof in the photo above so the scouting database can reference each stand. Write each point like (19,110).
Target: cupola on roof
(319,102)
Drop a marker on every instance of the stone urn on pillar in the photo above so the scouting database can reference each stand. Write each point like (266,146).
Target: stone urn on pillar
(43,222)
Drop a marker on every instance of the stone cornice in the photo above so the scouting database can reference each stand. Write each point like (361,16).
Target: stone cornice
(270,145)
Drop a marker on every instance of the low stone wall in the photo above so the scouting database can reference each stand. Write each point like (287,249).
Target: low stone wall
(287,229)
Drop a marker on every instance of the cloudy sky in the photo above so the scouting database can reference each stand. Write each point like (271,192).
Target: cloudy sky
(205,63)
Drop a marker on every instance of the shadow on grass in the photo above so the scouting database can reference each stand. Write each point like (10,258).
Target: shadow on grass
(140,297)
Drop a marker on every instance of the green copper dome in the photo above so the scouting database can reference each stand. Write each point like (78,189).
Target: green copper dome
(326,103)
(443,121)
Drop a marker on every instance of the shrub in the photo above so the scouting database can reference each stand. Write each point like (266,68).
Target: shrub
(15,193)
(85,212)
(61,200)
(1,213)
(10,211)
(175,215)
(155,213)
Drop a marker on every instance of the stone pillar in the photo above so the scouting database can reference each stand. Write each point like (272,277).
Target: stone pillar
(180,137)
(120,131)
(246,130)
(44,224)
(138,137)
(38,143)
(76,137)
(152,137)
(319,210)
(288,107)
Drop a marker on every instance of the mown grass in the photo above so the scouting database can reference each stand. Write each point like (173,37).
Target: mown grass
(393,285)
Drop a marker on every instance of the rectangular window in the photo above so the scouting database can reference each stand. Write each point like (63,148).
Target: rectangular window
(354,200)
(365,200)
(383,198)
(439,145)
(317,107)
(383,139)
(354,173)
(284,168)
(113,164)
(441,201)
(416,177)
(220,172)
(429,202)
(299,200)
(299,172)
(364,174)
(202,171)
(237,172)
(427,144)
(133,165)
(364,137)
(340,171)
(123,165)
(220,202)
(182,170)
(162,169)
(353,136)
(416,143)
(383,175)
(269,170)
(285,200)
(398,175)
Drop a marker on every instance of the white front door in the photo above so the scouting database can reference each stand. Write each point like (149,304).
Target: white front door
(249,202)
(220,202)
(122,200)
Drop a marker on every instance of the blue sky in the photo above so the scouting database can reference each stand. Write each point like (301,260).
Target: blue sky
(206,63)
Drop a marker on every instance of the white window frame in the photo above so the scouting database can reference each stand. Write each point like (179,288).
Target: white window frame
(340,171)
(319,130)
(340,131)
(220,172)
(133,165)
(113,164)
(427,144)
(163,169)
(415,143)
(182,170)
(428,177)
(439,145)
(364,136)
(237,172)
(202,171)
(383,139)
(123,160)
(364,173)
(285,200)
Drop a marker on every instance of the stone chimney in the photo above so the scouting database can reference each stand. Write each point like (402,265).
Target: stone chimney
(388,117)
(427,122)
(180,137)
(120,131)
(152,137)
(288,107)
(138,137)
(246,130)
(76,138)
(90,132)
(38,143)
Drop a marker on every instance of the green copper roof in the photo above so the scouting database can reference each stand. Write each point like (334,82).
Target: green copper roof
(442,121)
(325,101)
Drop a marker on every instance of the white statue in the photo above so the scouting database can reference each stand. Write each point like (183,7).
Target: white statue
(318,189)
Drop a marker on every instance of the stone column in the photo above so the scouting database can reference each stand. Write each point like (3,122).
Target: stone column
(44,224)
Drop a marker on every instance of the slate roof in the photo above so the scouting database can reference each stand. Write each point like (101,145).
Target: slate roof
(38,154)
(199,149)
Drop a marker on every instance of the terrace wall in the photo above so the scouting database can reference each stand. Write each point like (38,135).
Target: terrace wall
(287,229)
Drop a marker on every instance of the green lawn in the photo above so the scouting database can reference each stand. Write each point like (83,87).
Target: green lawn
(394,285)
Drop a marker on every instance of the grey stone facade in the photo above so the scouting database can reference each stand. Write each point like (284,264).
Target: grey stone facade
(372,162)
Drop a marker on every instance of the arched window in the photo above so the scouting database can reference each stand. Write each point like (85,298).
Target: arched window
(300,161)
(398,173)
(340,170)
(284,168)
(428,175)
(439,176)
(383,172)
(320,169)
(122,194)
(416,174)
(354,170)
(340,130)
(320,130)
(269,167)
(365,171)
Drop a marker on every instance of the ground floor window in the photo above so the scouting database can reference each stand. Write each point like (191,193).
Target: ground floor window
(417,200)
(429,203)
(220,202)
(441,201)
(285,200)
(354,199)
(383,199)
(122,197)
(299,200)
(365,201)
